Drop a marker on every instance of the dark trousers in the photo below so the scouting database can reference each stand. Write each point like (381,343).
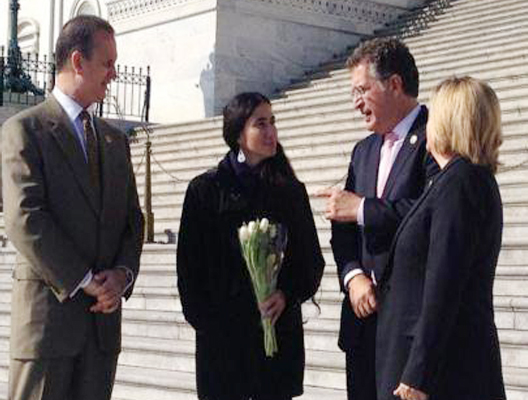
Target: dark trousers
(360,365)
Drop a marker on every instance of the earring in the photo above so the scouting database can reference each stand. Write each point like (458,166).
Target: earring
(241,158)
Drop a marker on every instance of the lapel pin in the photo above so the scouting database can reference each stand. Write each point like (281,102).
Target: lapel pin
(108,139)
(413,139)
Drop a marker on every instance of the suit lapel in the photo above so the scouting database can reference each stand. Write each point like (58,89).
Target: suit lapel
(373,167)
(411,143)
(105,154)
(63,132)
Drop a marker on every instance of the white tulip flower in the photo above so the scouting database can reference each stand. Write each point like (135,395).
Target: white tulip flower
(252,227)
(273,231)
(264,224)
(243,233)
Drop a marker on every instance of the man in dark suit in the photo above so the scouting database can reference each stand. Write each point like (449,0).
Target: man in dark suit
(387,173)
(71,210)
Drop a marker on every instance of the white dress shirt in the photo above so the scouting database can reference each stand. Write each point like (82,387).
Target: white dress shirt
(73,110)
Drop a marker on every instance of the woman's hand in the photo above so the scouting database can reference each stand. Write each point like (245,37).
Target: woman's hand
(408,393)
(273,306)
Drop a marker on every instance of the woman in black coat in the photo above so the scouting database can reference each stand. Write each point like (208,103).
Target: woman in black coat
(436,335)
(254,180)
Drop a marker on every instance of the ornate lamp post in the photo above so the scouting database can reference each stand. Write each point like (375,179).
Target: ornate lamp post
(16,79)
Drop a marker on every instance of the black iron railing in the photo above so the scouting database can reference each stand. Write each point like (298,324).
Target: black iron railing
(39,69)
(128,96)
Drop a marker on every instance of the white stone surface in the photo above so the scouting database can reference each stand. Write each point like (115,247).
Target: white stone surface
(180,52)
(202,52)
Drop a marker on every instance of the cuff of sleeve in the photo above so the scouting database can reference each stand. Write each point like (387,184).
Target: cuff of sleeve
(350,275)
(360,213)
(85,282)
(129,277)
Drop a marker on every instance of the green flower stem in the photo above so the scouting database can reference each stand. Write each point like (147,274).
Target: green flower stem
(270,340)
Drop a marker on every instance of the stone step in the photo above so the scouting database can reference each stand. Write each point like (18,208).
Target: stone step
(341,90)
(335,144)
(167,206)
(340,78)
(516,381)
(455,11)
(305,130)
(167,198)
(497,64)
(320,169)
(511,306)
(139,383)
(505,89)
(467,25)
(466,22)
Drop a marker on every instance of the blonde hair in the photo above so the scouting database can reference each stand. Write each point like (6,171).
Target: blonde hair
(465,119)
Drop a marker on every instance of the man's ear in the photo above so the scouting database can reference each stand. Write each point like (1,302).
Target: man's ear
(76,60)
(396,83)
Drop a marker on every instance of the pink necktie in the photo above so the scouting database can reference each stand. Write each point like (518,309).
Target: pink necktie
(385,164)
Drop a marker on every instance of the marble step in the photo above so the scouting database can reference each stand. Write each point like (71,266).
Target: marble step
(336,143)
(463,24)
(306,128)
(327,169)
(505,88)
(459,11)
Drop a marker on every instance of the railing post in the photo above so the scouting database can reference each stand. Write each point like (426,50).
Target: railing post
(149,216)
(53,72)
(2,68)
(147,96)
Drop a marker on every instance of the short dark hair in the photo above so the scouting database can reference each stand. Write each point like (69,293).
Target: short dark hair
(78,34)
(237,112)
(388,56)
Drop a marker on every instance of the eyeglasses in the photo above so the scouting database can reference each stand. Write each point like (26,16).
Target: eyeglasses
(359,91)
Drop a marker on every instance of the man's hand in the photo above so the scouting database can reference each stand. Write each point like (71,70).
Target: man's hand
(408,393)
(93,289)
(273,306)
(341,205)
(112,284)
(362,295)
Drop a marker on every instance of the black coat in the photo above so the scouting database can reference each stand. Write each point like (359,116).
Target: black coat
(367,247)
(436,329)
(216,292)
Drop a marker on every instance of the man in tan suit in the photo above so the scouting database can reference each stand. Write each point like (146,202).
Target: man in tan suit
(71,210)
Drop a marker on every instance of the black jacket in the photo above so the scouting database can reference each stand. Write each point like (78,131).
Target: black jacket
(367,247)
(436,329)
(216,292)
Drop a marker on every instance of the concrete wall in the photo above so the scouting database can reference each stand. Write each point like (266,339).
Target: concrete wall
(179,46)
(262,47)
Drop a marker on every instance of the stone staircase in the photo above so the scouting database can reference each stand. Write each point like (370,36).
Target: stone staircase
(487,39)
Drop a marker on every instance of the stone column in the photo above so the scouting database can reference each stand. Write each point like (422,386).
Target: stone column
(51,42)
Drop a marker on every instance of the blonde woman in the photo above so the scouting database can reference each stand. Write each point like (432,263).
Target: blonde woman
(436,335)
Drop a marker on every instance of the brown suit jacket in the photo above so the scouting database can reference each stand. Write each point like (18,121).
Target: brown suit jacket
(61,230)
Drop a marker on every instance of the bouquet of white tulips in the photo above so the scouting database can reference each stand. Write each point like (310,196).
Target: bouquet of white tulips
(263,244)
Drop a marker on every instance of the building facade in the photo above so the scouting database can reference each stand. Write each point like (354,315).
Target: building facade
(202,52)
